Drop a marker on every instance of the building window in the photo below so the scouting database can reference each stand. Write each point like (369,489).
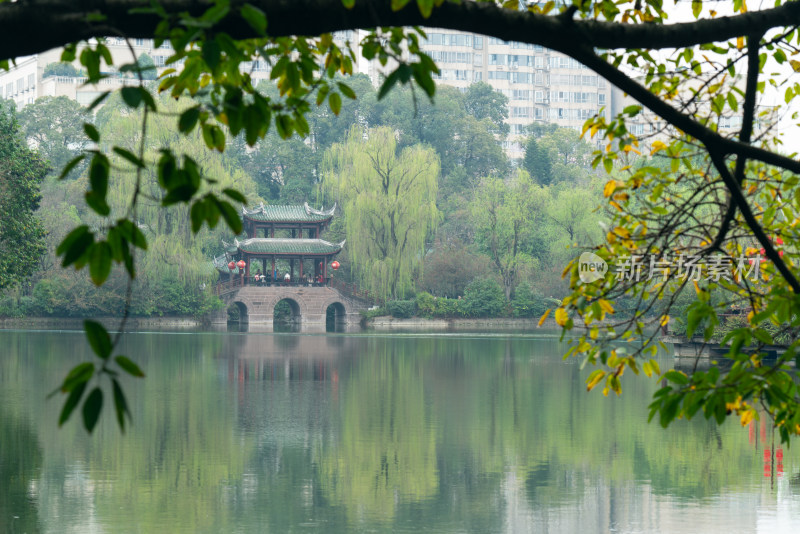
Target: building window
(601,99)
(477,42)
(538,96)
(478,76)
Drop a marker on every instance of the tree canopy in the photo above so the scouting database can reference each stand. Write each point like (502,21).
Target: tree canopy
(719,192)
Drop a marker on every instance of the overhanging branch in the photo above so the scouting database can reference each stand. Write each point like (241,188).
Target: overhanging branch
(32,27)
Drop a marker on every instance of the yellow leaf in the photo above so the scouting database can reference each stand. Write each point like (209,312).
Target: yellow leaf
(594,379)
(606,306)
(739,43)
(795,64)
(664,320)
(622,232)
(616,205)
(561,316)
(657,146)
(544,316)
(656,368)
(747,416)
(648,370)
(608,190)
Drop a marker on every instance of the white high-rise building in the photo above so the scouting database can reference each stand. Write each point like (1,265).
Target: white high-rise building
(541,85)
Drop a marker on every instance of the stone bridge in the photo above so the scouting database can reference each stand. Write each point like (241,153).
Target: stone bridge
(309,305)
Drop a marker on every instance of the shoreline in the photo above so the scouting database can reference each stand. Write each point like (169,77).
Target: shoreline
(108,322)
(387,323)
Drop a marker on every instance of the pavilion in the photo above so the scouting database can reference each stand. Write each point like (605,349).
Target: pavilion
(298,243)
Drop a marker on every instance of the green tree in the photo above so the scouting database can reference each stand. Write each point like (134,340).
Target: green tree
(61,69)
(389,203)
(537,162)
(505,213)
(21,173)
(484,298)
(54,126)
(483,102)
(147,67)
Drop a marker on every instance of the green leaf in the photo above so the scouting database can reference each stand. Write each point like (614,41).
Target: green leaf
(99,339)
(632,110)
(211,54)
(75,245)
(132,96)
(132,233)
(676,377)
(697,7)
(130,156)
(335,102)
(198,215)
(348,3)
(346,90)
(92,408)
(425,7)
(81,373)
(100,262)
(189,119)
(91,132)
(99,100)
(235,195)
(397,5)
(230,215)
(120,404)
(72,401)
(129,367)
(255,17)
(71,165)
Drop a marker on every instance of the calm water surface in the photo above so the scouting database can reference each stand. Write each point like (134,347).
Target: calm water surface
(360,433)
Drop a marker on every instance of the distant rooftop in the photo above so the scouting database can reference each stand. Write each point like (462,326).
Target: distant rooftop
(287,213)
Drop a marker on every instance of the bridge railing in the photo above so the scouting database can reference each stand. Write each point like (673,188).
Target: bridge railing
(353,291)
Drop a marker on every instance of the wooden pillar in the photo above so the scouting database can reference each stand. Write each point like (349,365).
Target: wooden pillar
(301,233)
(247,268)
(325,269)
(272,272)
(272,234)
(301,267)
(291,267)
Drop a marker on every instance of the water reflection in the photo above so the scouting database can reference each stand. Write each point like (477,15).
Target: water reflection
(282,432)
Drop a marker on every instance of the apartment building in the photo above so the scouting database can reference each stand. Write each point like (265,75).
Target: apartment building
(541,85)
(25,82)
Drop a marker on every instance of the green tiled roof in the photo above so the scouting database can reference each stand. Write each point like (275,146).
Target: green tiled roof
(265,245)
(280,213)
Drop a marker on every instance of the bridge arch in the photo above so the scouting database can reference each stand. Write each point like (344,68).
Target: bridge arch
(242,312)
(296,303)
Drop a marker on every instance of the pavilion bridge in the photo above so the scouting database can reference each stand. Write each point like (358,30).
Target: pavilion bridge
(282,258)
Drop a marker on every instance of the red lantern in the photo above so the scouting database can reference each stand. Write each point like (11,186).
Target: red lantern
(241,264)
(231,265)
(335,265)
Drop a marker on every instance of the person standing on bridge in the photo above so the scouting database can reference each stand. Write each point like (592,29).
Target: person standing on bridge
(287,278)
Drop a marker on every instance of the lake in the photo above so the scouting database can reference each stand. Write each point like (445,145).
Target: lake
(237,432)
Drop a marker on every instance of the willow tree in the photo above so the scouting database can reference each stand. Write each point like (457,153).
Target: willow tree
(389,202)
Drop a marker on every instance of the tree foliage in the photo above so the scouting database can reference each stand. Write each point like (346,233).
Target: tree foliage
(390,203)
(21,172)
(505,215)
